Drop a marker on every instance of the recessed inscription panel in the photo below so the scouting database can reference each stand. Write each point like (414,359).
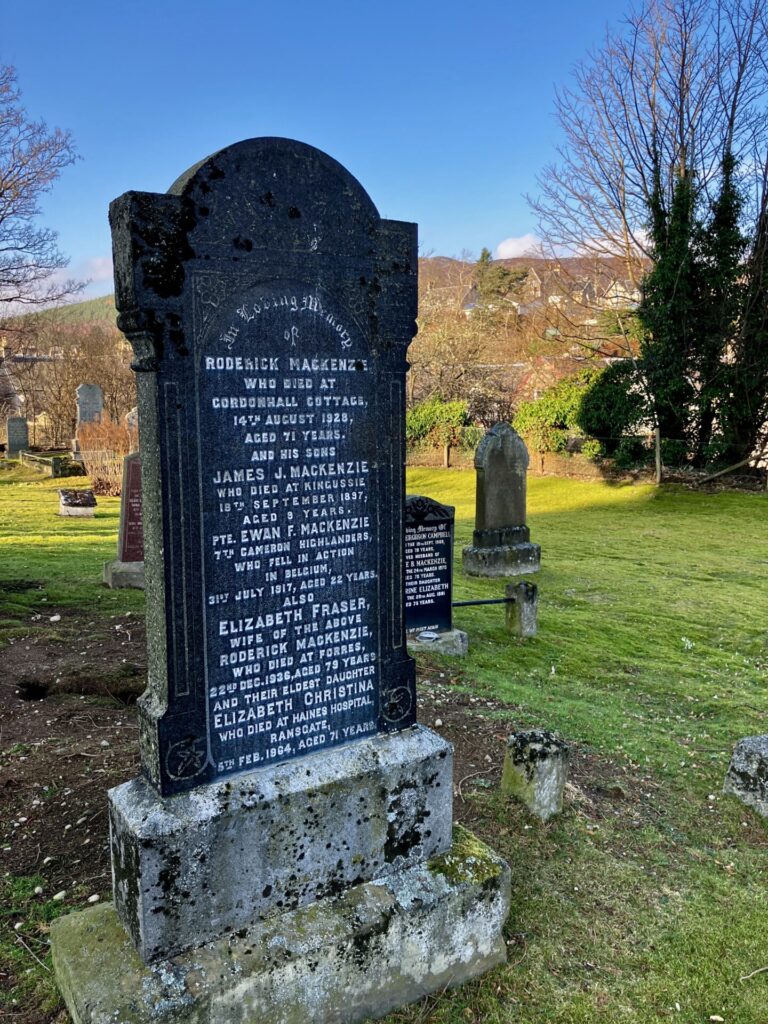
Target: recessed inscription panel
(428,565)
(288,477)
(132,532)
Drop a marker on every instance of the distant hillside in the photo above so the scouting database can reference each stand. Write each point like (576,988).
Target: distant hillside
(101,309)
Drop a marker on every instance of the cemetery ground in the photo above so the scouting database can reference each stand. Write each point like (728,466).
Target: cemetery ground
(646,900)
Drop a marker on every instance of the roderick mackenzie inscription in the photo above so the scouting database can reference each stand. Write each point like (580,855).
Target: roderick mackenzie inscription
(287,409)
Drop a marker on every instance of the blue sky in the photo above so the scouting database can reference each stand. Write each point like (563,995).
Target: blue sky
(442,110)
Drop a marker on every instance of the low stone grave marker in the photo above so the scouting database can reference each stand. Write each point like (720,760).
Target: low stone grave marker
(127,570)
(17,432)
(429,577)
(501,542)
(522,611)
(76,502)
(289,843)
(536,771)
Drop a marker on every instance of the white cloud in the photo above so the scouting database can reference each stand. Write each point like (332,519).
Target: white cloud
(525,245)
(99,269)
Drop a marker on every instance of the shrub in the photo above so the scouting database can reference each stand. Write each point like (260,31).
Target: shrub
(547,423)
(674,453)
(631,452)
(592,449)
(103,445)
(471,436)
(435,422)
(613,406)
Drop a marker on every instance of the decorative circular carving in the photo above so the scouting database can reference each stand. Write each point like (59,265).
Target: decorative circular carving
(186,759)
(397,703)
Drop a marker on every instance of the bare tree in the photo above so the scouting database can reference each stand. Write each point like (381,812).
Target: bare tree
(31,158)
(678,88)
(59,356)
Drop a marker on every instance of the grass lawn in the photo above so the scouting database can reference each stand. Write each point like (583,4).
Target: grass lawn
(646,900)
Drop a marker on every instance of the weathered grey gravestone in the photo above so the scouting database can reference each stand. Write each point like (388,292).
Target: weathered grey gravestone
(429,577)
(501,542)
(18,435)
(90,403)
(522,611)
(127,570)
(90,406)
(289,843)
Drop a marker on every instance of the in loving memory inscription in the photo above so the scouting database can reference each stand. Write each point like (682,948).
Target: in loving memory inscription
(290,529)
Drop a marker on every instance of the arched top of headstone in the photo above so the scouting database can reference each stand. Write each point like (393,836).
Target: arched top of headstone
(286,195)
(504,440)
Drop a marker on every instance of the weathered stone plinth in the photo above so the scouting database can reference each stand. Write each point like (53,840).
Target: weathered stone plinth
(747,776)
(374,948)
(453,642)
(505,560)
(119,574)
(191,867)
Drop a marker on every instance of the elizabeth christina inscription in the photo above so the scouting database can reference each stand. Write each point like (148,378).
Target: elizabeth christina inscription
(288,476)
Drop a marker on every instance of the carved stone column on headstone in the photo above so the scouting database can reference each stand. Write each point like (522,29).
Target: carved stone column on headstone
(429,577)
(127,570)
(501,541)
(270,308)
(17,431)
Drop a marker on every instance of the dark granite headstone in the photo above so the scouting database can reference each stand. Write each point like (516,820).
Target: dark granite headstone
(270,309)
(428,565)
(501,542)
(18,435)
(76,502)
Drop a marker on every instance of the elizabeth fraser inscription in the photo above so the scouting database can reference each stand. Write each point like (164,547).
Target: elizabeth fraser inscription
(288,480)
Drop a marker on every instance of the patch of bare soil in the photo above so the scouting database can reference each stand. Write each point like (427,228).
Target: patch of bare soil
(68,733)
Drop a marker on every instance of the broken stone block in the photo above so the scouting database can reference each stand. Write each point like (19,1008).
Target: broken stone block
(747,775)
(523,611)
(535,771)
